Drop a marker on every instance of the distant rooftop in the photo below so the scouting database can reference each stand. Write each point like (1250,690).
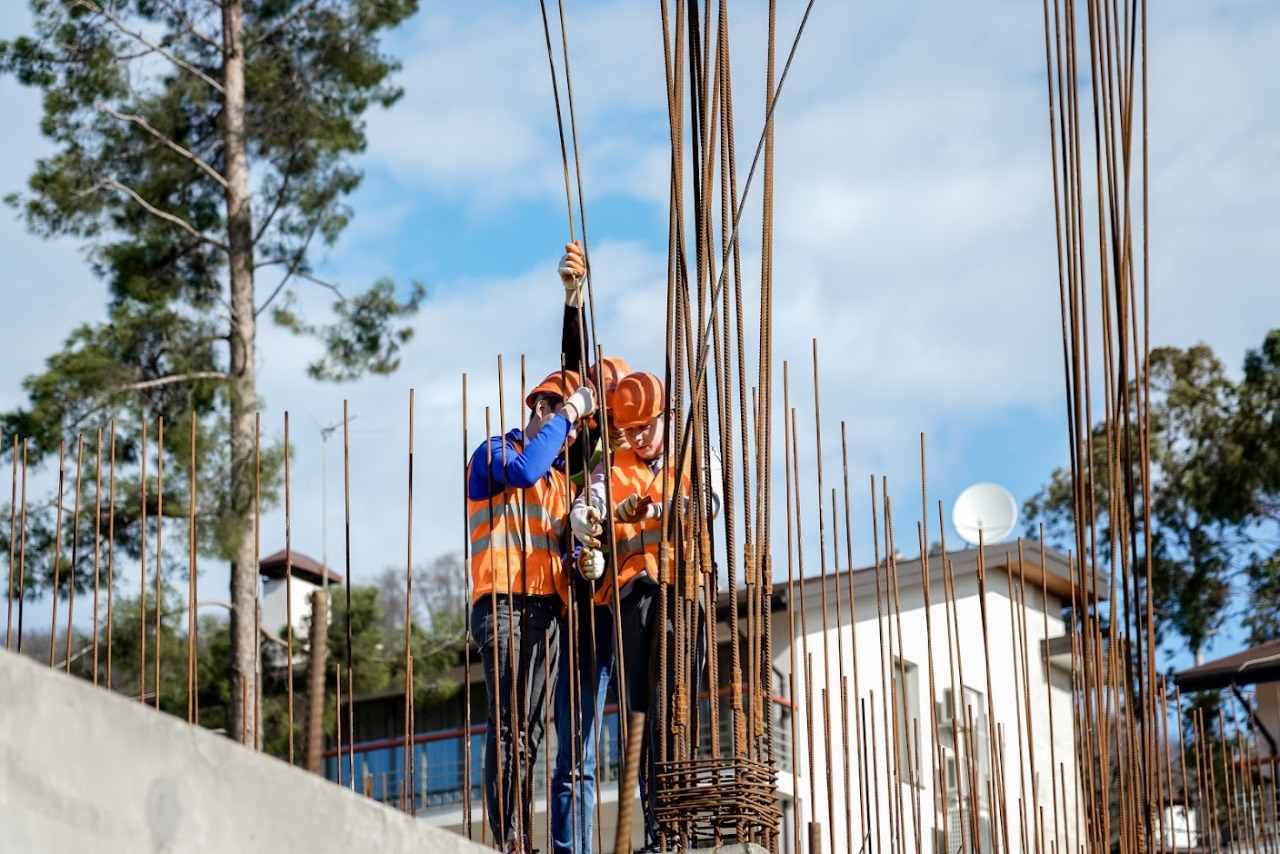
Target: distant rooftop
(1024,559)
(1247,667)
(299,566)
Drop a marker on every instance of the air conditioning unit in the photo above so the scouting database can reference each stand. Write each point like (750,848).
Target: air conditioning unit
(951,770)
(945,708)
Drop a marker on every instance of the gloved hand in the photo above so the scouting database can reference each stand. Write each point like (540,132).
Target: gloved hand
(633,508)
(591,564)
(585,522)
(573,267)
(580,404)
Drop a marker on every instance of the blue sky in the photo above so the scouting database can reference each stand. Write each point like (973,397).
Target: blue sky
(914,237)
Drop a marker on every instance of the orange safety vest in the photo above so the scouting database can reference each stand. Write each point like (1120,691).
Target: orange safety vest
(515,539)
(637,544)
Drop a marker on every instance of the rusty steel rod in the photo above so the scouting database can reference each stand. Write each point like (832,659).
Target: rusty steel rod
(13,542)
(57,555)
(75,550)
(97,550)
(629,780)
(159,549)
(257,599)
(193,637)
(142,594)
(111,553)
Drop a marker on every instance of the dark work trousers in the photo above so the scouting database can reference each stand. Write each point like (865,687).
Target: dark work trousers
(638,606)
(586,666)
(518,645)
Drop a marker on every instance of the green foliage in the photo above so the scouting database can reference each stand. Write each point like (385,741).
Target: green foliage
(136,110)
(358,341)
(1262,618)
(1214,490)
(377,653)
(370,642)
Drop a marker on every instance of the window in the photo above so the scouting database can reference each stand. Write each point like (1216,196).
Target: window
(905,719)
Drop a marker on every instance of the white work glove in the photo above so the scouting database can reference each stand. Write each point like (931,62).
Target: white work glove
(633,508)
(590,564)
(572,268)
(585,522)
(580,404)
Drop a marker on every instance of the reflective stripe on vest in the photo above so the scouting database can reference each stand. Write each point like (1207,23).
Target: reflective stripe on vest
(502,540)
(637,543)
(480,518)
(515,538)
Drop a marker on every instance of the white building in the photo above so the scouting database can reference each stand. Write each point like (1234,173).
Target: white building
(986,665)
(288,580)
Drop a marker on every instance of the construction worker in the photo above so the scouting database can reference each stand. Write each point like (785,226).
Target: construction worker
(517,502)
(637,484)
(585,628)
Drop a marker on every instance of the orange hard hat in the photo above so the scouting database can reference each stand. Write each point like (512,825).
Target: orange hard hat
(638,399)
(605,375)
(561,384)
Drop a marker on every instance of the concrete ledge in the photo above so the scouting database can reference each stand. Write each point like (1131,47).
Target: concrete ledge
(82,769)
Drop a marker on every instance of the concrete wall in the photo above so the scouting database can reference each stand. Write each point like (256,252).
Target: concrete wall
(82,769)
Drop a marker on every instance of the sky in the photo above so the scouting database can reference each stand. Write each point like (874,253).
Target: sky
(914,240)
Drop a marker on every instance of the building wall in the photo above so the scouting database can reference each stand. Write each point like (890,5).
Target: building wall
(1268,699)
(1032,715)
(275,601)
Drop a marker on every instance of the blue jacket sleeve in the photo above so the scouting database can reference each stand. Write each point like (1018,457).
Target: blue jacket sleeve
(488,475)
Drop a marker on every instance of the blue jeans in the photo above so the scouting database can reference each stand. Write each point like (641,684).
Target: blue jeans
(579,707)
(517,645)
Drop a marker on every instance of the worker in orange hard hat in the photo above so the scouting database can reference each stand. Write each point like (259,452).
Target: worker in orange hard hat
(517,502)
(637,482)
(585,630)
(605,376)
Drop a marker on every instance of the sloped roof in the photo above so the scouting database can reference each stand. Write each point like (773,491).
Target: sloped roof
(1021,560)
(302,567)
(1247,667)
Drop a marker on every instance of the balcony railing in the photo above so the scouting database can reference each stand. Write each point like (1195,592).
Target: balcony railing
(440,765)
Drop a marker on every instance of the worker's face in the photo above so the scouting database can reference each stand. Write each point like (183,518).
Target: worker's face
(617,438)
(647,440)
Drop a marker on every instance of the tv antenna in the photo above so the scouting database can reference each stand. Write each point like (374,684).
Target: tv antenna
(985,512)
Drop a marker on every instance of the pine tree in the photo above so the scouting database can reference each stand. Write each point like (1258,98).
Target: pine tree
(202,152)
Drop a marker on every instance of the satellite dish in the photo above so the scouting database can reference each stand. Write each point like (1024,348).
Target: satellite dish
(985,509)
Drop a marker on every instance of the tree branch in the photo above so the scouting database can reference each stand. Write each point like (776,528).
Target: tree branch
(164,215)
(280,197)
(322,283)
(176,378)
(141,39)
(275,293)
(192,30)
(170,144)
(293,16)
(294,268)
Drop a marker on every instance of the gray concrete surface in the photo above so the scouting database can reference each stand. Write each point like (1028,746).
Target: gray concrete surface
(86,771)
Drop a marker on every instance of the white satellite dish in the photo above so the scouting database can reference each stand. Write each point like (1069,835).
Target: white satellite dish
(986,509)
